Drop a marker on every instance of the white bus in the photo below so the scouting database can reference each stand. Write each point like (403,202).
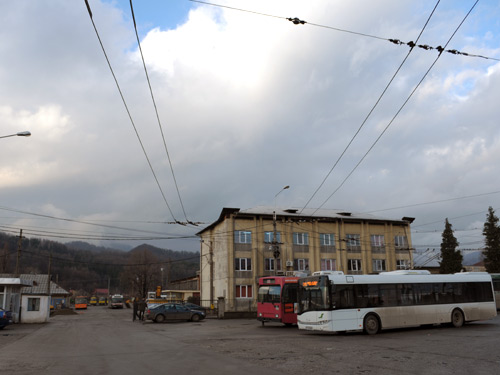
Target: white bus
(331,301)
(496,287)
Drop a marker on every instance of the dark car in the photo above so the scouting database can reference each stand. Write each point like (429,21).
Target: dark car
(192,306)
(5,318)
(173,311)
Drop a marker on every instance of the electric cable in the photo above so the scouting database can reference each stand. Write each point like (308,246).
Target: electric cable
(128,112)
(371,111)
(411,44)
(157,115)
(397,113)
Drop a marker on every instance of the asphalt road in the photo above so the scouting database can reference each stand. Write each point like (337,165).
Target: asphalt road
(104,341)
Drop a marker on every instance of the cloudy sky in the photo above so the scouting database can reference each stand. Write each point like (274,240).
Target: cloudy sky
(248,102)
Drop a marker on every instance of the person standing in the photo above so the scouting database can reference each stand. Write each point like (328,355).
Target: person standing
(142,308)
(136,308)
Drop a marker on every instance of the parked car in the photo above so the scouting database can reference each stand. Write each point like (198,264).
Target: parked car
(192,306)
(173,311)
(5,318)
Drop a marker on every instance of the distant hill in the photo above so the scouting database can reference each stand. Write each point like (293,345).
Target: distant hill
(80,245)
(84,267)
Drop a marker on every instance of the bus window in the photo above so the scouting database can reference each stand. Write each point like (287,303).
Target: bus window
(269,293)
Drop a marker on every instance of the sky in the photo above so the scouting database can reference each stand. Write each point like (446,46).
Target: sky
(247,103)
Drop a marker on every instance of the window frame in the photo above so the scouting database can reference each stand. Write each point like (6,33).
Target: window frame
(397,242)
(353,240)
(324,236)
(242,236)
(33,304)
(244,292)
(328,264)
(303,236)
(377,240)
(301,264)
(378,265)
(404,264)
(268,237)
(243,264)
(270,262)
(352,262)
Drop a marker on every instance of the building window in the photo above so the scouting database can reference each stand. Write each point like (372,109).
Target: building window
(402,264)
(378,265)
(243,264)
(241,236)
(269,264)
(400,242)
(354,264)
(301,239)
(353,242)
(377,240)
(33,304)
(269,236)
(328,265)
(327,239)
(244,291)
(301,264)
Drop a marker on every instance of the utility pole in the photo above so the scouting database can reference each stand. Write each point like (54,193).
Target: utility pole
(48,277)
(211,276)
(19,245)
(275,243)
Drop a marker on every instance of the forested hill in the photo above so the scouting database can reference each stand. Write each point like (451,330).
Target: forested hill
(85,267)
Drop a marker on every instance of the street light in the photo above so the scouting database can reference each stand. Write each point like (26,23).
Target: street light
(20,134)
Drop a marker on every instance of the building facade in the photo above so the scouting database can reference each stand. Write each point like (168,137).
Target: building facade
(241,246)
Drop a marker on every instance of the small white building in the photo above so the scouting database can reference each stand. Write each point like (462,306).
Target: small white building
(10,294)
(37,299)
(30,301)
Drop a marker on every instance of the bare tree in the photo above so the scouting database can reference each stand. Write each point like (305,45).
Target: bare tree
(142,273)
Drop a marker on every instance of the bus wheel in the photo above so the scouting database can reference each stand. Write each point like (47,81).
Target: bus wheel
(371,324)
(457,318)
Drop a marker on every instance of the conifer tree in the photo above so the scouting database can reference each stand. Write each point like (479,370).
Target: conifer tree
(451,259)
(491,231)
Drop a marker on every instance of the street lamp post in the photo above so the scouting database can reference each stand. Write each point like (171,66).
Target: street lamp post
(20,134)
(276,247)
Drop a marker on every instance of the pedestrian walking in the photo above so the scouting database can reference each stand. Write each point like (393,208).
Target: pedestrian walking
(136,309)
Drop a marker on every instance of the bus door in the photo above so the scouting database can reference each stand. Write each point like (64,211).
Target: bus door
(345,315)
(289,303)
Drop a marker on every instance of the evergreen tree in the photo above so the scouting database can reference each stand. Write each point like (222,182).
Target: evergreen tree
(491,231)
(451,259)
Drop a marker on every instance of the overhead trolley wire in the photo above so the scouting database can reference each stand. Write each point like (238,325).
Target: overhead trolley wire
(78,221)
(157,116)
(411,44)
(128,112)
(370,112)
(433,202)
(398,111)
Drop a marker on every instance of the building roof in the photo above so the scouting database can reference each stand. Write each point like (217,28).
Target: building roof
(11,280)
(39,285)
(303,214)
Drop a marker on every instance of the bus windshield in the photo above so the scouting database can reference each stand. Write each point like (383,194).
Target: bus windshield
(269,293)
(314,294)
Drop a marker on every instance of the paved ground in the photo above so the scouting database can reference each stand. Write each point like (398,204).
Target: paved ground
(104,341)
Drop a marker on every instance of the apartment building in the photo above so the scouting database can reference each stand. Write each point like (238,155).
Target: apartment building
(243,245)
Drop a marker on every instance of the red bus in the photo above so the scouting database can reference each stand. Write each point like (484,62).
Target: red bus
(277,299)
